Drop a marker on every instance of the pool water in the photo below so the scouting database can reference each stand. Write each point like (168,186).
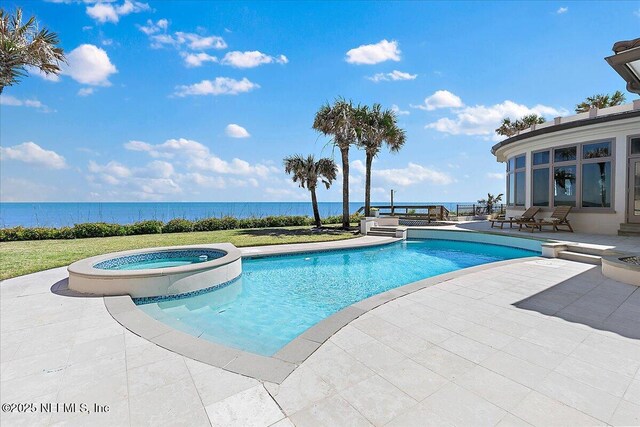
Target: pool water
(160,259)
(158,263)
(278,298)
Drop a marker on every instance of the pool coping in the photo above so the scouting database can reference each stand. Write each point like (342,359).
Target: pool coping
(85,267)
(278,367)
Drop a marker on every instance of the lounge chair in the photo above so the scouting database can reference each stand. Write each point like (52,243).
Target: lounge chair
(527,216)
(557,218)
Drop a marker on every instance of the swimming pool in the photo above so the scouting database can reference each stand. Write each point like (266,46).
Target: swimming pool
(277,298)
(160,259)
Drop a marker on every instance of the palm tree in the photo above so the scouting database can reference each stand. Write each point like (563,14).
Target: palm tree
(600,101)
(509,128)
(307,171)
(379,127)
(491,201)
(24,45)
(340,121)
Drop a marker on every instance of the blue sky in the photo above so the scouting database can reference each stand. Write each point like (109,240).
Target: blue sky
(201,101)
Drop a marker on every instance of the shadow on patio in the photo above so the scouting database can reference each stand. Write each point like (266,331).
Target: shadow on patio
(606,305)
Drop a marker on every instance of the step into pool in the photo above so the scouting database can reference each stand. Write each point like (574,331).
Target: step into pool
(277,298)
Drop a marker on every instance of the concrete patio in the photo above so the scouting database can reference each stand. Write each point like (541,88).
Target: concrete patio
(532,342)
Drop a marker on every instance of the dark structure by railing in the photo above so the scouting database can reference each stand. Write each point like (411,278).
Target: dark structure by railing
(413,212)
(476,209)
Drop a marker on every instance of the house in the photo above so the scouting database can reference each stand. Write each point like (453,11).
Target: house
(590,161)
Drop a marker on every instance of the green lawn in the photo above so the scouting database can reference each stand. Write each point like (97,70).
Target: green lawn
(18,258)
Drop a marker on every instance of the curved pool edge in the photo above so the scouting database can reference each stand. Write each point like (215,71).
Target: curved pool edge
(85,278)
(278,367)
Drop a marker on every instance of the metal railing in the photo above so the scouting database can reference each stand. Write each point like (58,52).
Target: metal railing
(476,209)
(422,212)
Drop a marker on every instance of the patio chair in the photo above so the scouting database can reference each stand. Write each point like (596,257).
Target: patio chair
(527,216)
(557,218)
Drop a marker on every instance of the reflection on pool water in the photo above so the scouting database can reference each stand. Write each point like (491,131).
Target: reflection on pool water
(278,298)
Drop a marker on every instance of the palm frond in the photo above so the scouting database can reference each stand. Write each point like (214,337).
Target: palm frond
(24,44)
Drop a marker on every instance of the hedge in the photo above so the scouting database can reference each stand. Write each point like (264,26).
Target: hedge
(177,225)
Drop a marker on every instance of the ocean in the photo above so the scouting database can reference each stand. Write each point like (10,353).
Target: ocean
(60,214)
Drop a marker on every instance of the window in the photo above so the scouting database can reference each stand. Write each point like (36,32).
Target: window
(540,178)
(516,181)
(564,179)
(541,187)
(596,182)
(541,158)
(511,189)
(635,146)
(566,154)
(579,175)
(596,175)
(600,149)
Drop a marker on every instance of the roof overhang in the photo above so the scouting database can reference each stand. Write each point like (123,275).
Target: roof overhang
(626,62)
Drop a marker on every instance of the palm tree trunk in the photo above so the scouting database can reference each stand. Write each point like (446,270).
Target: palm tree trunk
(314,203)
(345,186)
(367,186)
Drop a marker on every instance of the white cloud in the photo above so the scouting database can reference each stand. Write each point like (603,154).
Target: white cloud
(483,120)
(90,65)
(562,10)
(106,12)
(374,53)
(151,182)
(31,103)
(440,99)
(86,91)
(236,131)
(154,27)
(251,59)
(412,174)
(197,156)
(30,152)
(170,148)
(192,60)
(219,86)
(398,111)
(198,42)
(160,169)
(493,175)
(395,75)
(637,13)
(114,169)
(190,40)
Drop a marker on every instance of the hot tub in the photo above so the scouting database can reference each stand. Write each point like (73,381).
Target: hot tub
(157,271)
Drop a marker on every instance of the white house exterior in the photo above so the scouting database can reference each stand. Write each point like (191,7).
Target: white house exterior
(590,161)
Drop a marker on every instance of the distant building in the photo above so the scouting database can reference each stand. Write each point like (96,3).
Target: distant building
(590,161)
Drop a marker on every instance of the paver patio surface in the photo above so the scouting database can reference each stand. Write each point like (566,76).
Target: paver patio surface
(537,342)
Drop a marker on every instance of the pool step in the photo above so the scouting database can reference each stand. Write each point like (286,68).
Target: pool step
(629,229)
(580,257)
(382,231)
(581,248)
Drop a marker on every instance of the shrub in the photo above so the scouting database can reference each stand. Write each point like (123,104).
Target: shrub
(228,223)
(178,225)
(145,227)
(97,229)
(337,219)
(207,224)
